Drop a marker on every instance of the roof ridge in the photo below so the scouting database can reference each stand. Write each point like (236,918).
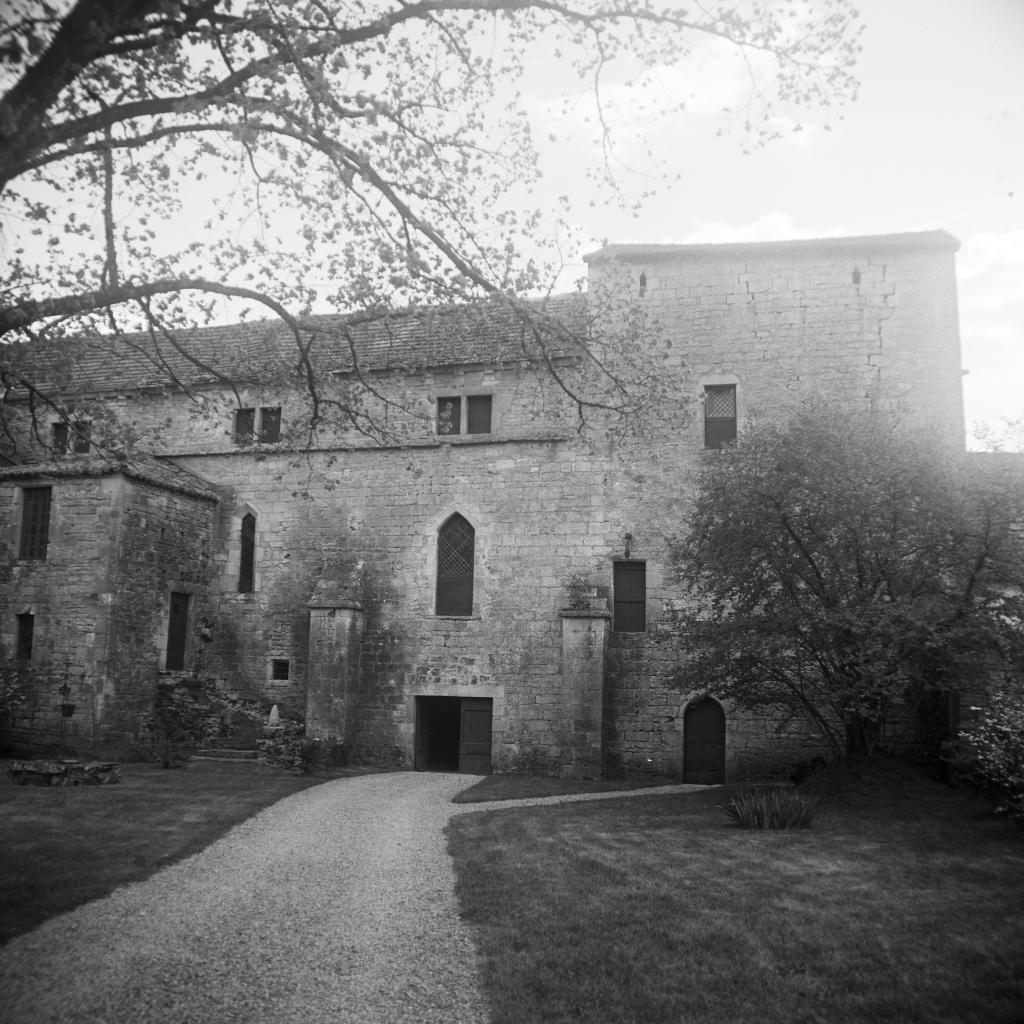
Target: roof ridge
(936,238)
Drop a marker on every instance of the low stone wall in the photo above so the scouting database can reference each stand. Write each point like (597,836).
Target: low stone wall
(64,773)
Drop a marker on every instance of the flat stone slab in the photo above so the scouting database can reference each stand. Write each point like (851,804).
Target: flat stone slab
(64,773)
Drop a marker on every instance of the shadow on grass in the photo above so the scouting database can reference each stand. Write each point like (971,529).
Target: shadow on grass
(523,787)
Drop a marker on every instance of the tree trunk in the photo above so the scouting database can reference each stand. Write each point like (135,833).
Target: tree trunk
(862,735)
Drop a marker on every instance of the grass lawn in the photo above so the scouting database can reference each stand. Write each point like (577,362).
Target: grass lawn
(903,903)
(519,787)
(63,846)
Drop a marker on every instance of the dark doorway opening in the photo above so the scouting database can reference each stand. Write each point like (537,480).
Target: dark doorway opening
(453,734)
(177,631)
(704,743)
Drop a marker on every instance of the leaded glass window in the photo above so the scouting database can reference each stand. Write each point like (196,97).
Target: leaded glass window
(455,567)
(719,415)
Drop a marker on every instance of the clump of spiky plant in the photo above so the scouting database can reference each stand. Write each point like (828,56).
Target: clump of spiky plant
(771,808)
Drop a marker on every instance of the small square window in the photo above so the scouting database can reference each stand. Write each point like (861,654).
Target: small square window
(245,425)
(280,669)
(72,437)
(449,415)
(263,425)
(471,415)
(478,414)
(270,425)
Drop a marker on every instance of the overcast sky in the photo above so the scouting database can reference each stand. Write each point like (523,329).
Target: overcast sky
(935,140)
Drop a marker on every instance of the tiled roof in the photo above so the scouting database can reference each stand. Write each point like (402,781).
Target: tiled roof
(905,240)
(486,333)
(146,469)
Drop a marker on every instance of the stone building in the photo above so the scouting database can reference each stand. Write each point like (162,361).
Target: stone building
(476,584)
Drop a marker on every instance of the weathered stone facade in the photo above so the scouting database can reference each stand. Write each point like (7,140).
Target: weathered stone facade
(339,625)
(120,542)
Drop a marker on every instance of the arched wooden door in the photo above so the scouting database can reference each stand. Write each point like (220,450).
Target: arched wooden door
(704,743)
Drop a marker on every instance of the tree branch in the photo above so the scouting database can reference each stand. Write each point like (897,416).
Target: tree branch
(29,311)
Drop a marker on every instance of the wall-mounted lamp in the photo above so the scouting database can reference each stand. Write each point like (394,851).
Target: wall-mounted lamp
(628,539)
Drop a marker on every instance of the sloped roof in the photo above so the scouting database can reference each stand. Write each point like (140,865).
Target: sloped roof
(486,333)
(144,468)
(902,240)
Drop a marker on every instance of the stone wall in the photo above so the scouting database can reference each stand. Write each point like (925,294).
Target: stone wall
(68,595)
(537,514)
(163,545)
(858,321)
(526,406)
(116,549)
(849,319)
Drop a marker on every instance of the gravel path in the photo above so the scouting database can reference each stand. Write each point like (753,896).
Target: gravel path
(335,905)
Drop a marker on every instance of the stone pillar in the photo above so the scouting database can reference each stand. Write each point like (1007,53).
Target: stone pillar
(332,686)
(584,638)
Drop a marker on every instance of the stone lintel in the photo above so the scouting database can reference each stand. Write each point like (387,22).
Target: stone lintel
(334,602)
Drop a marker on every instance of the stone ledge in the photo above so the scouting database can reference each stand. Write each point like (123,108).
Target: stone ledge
(64,773)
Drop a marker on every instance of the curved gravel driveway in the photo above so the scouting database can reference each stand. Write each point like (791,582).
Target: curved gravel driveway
(334,905)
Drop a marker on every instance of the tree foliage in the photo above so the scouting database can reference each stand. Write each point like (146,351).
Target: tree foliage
(1007,435)
(843,563)
(990,751)
(159,158)
(19,682)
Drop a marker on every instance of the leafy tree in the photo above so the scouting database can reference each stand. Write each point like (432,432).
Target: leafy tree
(991,751)
(842,563)
(159,158)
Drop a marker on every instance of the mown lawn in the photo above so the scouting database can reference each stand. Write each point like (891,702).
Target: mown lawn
(518,787)
(60,847)
(903,903)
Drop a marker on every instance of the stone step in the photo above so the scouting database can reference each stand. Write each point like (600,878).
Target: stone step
(225,754)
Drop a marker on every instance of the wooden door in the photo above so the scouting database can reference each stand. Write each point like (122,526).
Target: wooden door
(475,736)
(704,743)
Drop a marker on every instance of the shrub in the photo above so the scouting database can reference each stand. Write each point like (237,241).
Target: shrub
(22,681)
(991,753)
(316,755)
(179,724)
(578,590)
(771,808)
(803,770)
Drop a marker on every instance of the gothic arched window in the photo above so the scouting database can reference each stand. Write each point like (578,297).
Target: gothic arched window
(247,564)
(455,567)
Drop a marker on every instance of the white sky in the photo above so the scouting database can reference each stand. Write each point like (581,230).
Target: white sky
(935,140)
